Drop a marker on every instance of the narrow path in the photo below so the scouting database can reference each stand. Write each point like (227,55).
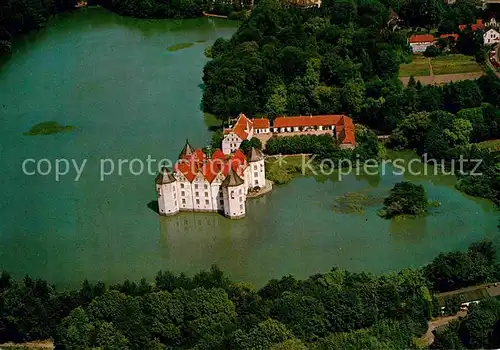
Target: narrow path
(428,337)
(37,344)
(488,61)
(212,15)
(431,72)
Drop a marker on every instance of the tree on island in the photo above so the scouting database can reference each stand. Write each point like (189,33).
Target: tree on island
(405,199)
(247,145)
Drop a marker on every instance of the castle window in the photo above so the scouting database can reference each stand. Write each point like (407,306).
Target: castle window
(197,194)
(206,194)
(175,203)
(241,199)
(206,186)
(255,174)
(232,194)
(207,202)
(255,167)
(197,201)
(196,186)
(183,193)
(241,206)
(175,195)
(183,201)
(221,202)
(240,191)
(256,182)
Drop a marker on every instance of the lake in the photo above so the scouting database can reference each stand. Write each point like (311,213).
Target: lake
(127,96)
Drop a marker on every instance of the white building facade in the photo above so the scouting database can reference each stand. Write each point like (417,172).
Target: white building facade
(491,37)
(215,184)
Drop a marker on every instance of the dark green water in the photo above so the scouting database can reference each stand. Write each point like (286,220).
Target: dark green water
(127,96)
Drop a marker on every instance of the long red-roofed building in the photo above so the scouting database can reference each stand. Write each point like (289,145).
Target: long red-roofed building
(340,126)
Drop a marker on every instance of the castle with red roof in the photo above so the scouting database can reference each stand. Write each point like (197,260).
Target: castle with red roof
(218,183)
(339,126)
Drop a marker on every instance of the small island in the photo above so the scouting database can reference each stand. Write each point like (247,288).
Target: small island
(48,128)
(406,199)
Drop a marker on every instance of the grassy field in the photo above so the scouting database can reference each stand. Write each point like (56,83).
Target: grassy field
(490,144)
(281,171)
(418,67)
(454,64)
(448,64)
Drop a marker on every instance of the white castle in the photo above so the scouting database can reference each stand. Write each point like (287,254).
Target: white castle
(218,183)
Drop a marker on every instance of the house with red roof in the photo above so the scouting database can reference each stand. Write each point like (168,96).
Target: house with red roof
(340,126)
(451,36)
(216,183)
(475,26)
(420,42)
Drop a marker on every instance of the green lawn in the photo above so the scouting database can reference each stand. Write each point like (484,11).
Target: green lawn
(418,67)
(491,144)
(447,64)
(454,64)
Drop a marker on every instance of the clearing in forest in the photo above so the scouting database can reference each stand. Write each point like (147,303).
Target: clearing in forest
(441,69)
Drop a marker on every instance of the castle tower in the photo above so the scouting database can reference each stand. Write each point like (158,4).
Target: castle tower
(257,171)
(187,151)
(233,192)
(166,188)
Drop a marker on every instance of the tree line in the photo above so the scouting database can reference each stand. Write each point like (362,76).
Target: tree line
(337,309)
(21,16)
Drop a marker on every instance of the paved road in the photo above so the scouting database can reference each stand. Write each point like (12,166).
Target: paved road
(440,322)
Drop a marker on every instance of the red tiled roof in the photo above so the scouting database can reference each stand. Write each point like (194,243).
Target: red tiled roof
(478,25)
(317,120)
(453,36)
(239,155)
(421,38)
(349,133)
(211,168)
(243,127)
(199,154)
(191,166)
(187,168)
(218,154)
(261,123)
(343,124)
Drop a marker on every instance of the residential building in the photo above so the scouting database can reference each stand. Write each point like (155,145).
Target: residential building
(491,37)
(339,126)
(420,42)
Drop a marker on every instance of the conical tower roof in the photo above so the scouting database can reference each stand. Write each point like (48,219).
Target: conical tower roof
(187,151)
(255,155)
(164,177)
(232,179)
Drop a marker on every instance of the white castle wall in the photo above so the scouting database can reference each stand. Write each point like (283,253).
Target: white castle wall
(234,201)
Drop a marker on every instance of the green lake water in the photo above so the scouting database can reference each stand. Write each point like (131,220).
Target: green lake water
(126,95)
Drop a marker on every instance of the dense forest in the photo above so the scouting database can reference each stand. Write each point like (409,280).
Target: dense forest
(334,310)
(344,58)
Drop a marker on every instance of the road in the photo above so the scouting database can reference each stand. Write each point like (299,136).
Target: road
(439,322)
(488,62)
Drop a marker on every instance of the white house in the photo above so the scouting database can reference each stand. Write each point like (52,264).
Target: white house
(242,130)
(211,184)
(420,42)
(491,37)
